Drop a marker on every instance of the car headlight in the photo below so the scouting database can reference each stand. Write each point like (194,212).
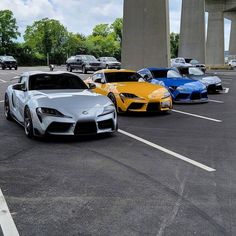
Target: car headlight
(108,109)
(166,94)
(129,96)
(44,111)
(180,88)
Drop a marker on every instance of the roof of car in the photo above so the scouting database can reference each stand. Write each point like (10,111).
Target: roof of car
(113,70)
(154,68)
(29,73)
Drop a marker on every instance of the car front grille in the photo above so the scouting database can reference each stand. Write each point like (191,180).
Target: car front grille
(86,127)
(106,124)
(195,96)
(135,106)
(153,107)
(214,87)
(94,64)
(181,96)
(58,127)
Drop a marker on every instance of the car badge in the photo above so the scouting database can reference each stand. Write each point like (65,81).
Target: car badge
(85,113)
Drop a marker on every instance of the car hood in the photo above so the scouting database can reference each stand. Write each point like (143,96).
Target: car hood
(183,83)
(206,79)
(140,89)
(175,81)
(70,101)
(113,62)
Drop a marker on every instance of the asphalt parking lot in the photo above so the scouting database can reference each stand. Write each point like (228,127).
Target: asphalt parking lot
(168,174)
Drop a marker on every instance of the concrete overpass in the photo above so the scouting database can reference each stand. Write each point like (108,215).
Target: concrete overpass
(146,32)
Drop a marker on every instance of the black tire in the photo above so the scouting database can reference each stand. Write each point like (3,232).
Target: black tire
(69,68)
(28,124)
(7,110)
(113,99)
(84,70)
(9,68)
(3,67)
(16,68)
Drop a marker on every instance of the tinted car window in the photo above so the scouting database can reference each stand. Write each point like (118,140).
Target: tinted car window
(165,74)
(62,81)
(122,77)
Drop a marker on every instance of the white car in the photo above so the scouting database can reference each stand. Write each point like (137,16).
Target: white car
(58,103)
(232,63)
(186,62)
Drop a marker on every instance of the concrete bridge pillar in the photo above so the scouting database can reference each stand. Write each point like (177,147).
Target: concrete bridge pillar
(145,34)
(232,42)
(192,30)
(215,39)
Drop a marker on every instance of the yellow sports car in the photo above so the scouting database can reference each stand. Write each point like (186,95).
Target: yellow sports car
(129,92)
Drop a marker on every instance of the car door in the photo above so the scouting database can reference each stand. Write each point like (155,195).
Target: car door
(20,98)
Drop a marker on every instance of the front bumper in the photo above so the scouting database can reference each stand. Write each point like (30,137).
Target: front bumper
(152,105)
(93,68)
(194,97)
(214,88)
(67,126)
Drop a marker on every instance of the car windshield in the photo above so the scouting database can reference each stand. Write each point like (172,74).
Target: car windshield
(88,58)
(55,81)
(195,71)
(122,77)
(110,59)
(165,74)
(192,61)
(8,58)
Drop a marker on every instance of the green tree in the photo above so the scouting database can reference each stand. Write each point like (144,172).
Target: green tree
(117,27)
(47,36)
(101,30)
(174,44)
(8,30)
(75,44)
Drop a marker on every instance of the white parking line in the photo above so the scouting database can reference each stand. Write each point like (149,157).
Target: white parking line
(7,224)
(2,101)
(3,81)
(226,90)
(216,101)
(174,154)
(198,116)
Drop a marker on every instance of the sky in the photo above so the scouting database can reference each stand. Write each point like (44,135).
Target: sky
(80,16)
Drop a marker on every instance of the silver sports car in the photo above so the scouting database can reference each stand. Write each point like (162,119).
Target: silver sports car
(211,81)
(58,103)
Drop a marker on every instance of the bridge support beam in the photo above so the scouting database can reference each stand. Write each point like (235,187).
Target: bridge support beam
(215,39)
(145,34)
(232,42)
(192,30)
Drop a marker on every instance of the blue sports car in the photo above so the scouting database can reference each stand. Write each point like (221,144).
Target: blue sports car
(182,89)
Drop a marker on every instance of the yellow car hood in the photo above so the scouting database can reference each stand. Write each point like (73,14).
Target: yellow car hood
(140,89)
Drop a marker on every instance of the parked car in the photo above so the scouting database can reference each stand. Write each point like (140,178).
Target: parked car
(84,63)
(109,62)
(211,81)
(128,91)
(8,62)
(185,62)
(182,89)
(58,103)
(232,63)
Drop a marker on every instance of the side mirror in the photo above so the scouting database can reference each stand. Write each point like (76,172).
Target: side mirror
(92,86)
(20,87)
(23,87)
